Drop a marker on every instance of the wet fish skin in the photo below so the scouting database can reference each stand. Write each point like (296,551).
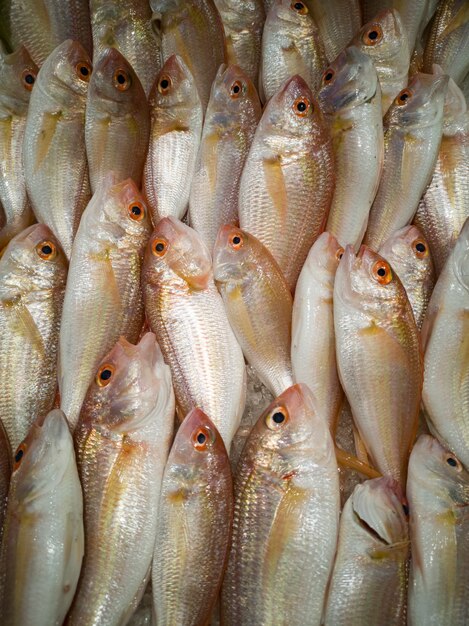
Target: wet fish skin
(54,153)
(438,494)
(412,134)
(379,358)
(286,509)
(351,100)
(176,125)
(288,179)
(232,115)
(186,313)
(42,547)
(103,299)
(313,339)
(338,22)
(370,570)
(122,441)
(5,474)
(33,273)
(194,524)
(117,123)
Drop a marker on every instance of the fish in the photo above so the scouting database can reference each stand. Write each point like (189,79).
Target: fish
(117,124)
(288,180)
(103,299)
(194,524)
(379,358)
(384,40)
(415,17)
(193,29)
(413,128)
(122,441)
(176,126)
(33,274)
(438,494)
(291,44)
(127,27)
(286,517)
(54,153)
(445,335)
(18,74)
(186,313)
(369,580)
(5,474)
(351,100)
(232,115)
(42,546)
(408,253)
(338,21)
(313,340)
(243,23)
(444,207)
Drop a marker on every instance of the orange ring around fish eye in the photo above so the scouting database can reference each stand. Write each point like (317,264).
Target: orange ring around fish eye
(328,76)
(373,35)
(420,247)
(236,241)
(159,246)
(382,272)
(339,253)
(403,96)
(299,7)
(19,455)
(28,78)
(201,438)
(136,211)
(302,106)
(47,250)
(236,89)
(277,418)
(122,80)
(83,70)
(164,84)
(104,375)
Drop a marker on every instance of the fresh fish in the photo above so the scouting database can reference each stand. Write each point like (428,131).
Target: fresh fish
(288,180)
(192,29)
(351,99)
(291,44)
(412,134)
(194,524)
(445,205)
(186,313)
(384,40)
(369,580)
(17,76)
(176,125)
(378,357)
(338,22)
(33,273)
(122,441)
(5,474)
(258,303)
(127,27)
(103,299)
(408,253)
(313,340)
(117,120)
(42,547)
(438,493)
(286,517)
(232,115)
(54,153)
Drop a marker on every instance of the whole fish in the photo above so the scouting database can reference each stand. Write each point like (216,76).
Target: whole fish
(194,524)
(192,29)
(351,99)
(54,153)
(291,44)
(384,40)
(369,580)
(408,253)
(313,339)
(17,77)
(338,22)
(186,313)
(231,118)
(122,441)
(445,334)
(103,299)
(258,303)
(412,134)
(378,357)
(288,179)
(286,517)
(176,124)
(444,207)
(42,547)
(438,493)
(117,120)
(33,273)
(5,474)
(127,27)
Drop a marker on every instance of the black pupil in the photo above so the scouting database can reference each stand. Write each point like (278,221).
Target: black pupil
(164,83)
(301,106)
(381,271)
(19,456)
(201,438)
(328,76)
(84,70)
(29,78)
(406,509)
(372,35)
(159,247)
(236,89)
(451,462)
(106,374)
(404,97)
(46,249)
(299,6)
(120,79)
(236,240)
(420,247)
(278,417)
(136,210)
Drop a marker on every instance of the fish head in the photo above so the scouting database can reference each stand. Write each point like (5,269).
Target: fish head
(233,254)
(411,249)
(290,15)
(384,39)
(455,106)
(174,86)
(66,73)
(460,256)
(18,74)
(324,257)
(233,99)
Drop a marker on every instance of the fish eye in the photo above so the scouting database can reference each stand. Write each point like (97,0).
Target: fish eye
(164,84)
(84,70)
(136,211)
(46,250)
(28,78)
(405,508)
(236,241)
(339,254)
(159,247)
(299,7)
(236,89)
(277,418)
(453,462)
(373,35)
(201,438)
(420,248)
(382,272)
(122,80)
(301,106)
(19,455)
(403,96)
(104,375)
(328,76)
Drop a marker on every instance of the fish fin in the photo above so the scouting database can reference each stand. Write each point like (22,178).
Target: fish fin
(46,136)
(275,183)
(458,20)
(345,459)
(22,322)
(360,448)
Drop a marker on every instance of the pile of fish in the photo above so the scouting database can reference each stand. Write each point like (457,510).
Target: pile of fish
(234,312)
